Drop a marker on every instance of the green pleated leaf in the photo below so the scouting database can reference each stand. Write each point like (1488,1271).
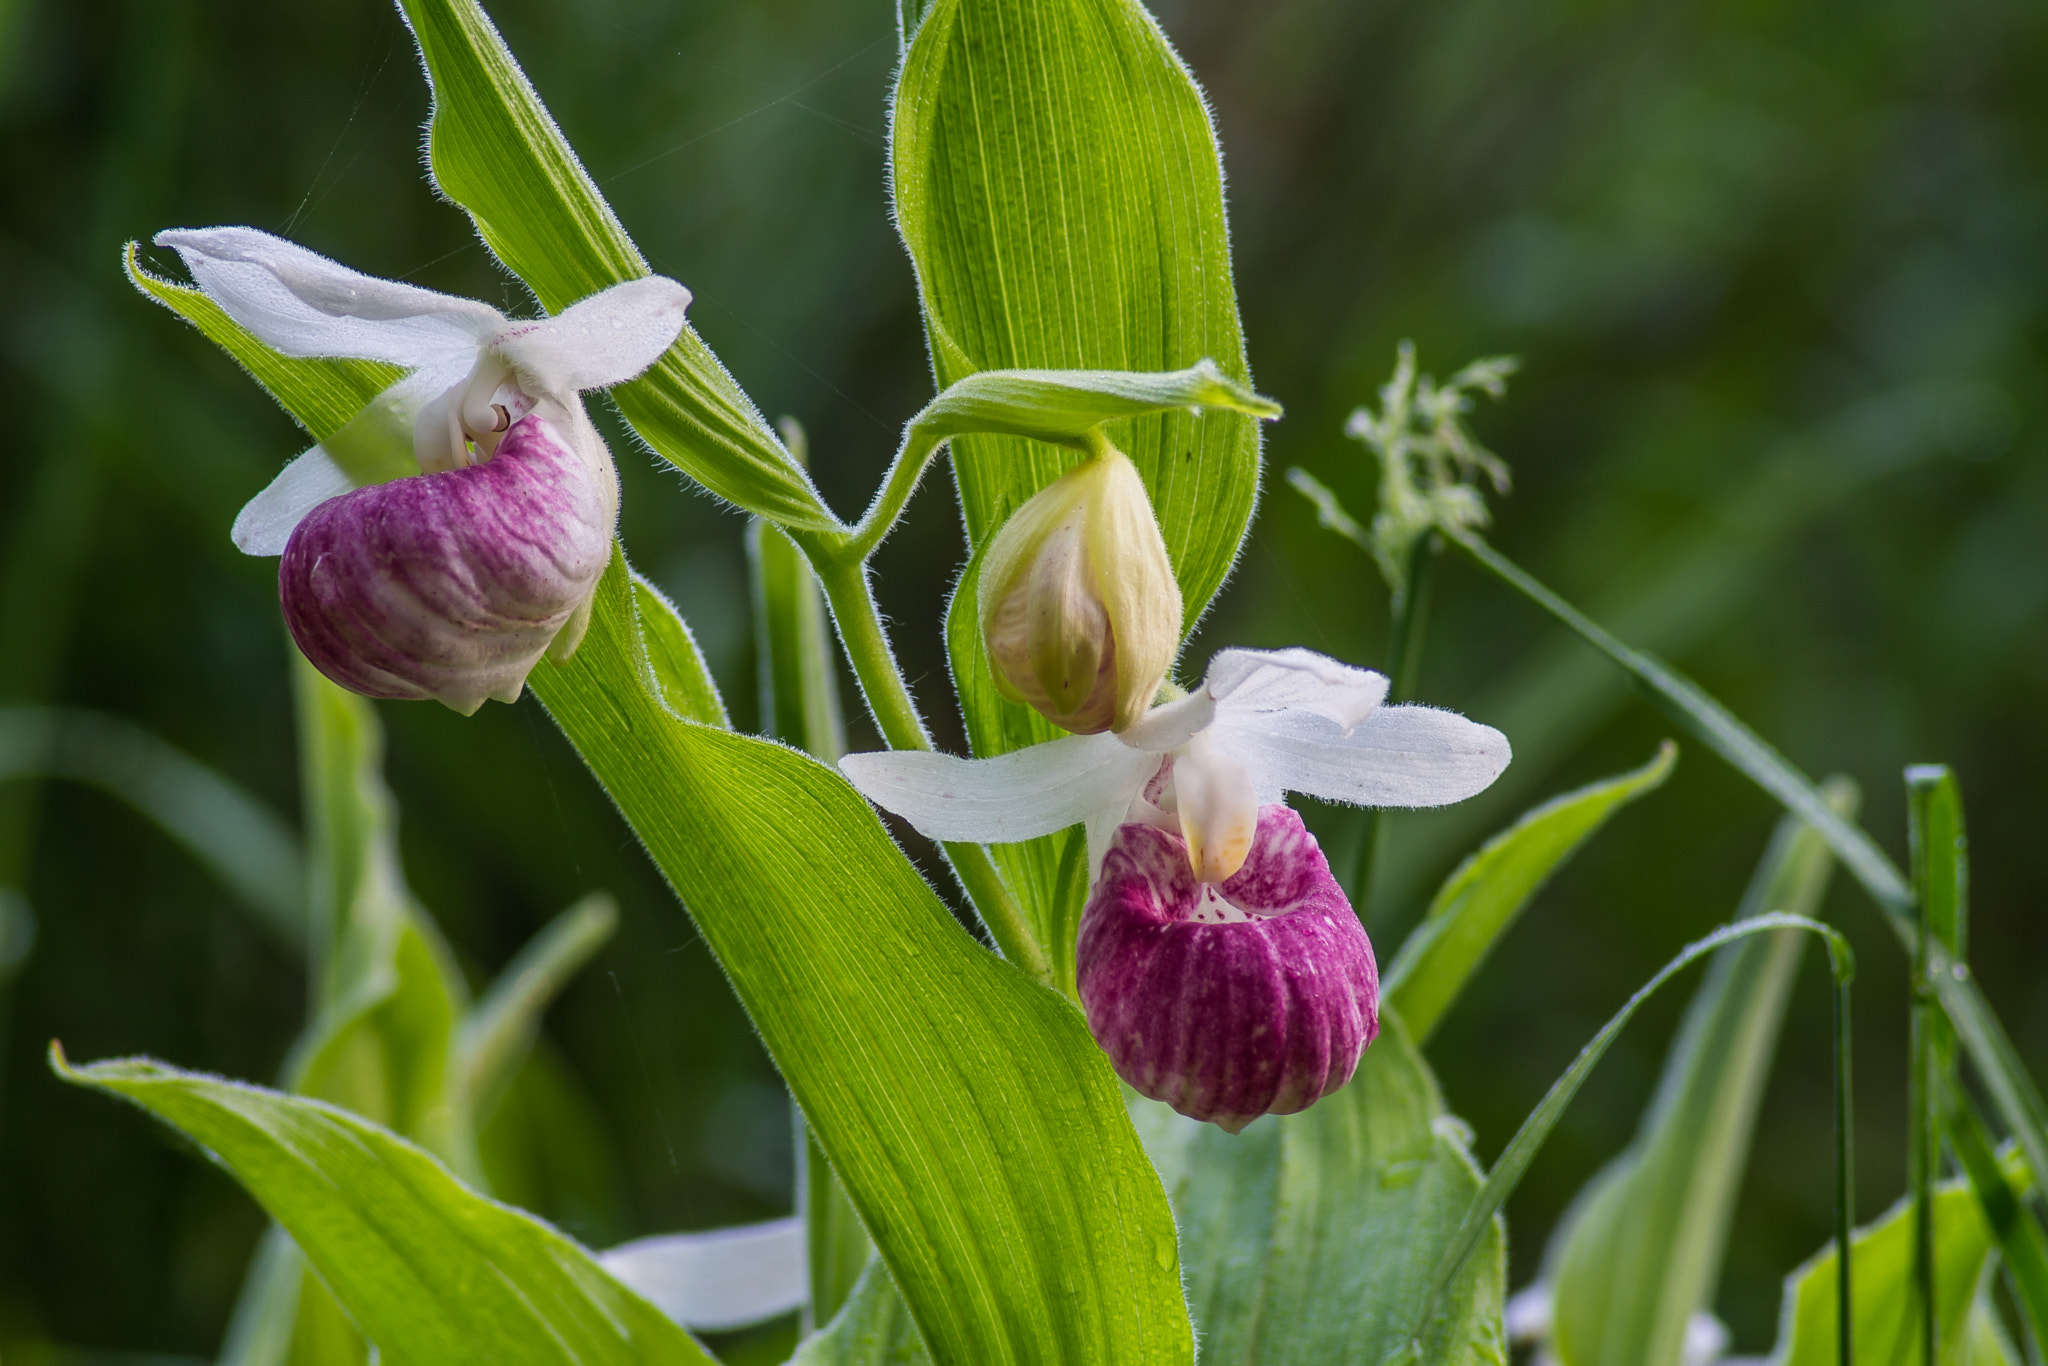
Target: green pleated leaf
(976,1126)
(495,150)
(433,1273)
(1483,897)
(1642,1254)
(1058,185)
(1887,1327)
(1312,1239)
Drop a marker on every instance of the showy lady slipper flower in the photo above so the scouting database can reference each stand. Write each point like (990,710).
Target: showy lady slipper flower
(1220,966)
(1227,1000)
(454,531)
(1079,607)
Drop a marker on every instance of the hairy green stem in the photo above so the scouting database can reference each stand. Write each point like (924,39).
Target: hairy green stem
(845,581)
(905,472)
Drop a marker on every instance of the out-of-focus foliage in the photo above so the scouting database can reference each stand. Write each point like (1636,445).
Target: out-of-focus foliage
(1640,1255)
(1777,279)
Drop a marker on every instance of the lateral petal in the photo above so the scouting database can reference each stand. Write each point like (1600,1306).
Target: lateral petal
(1256,681)
(372,447)
(1399,756)
(302,304)
(603,340)
(265,523)
(1016,796)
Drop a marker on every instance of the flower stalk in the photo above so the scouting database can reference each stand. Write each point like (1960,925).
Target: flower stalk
(851,597)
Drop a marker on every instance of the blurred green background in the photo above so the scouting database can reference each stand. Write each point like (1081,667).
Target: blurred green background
(1780,277)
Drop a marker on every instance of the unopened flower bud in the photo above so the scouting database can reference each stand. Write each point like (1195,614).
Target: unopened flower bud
(1233,1000)
(453,584)
(1079,606)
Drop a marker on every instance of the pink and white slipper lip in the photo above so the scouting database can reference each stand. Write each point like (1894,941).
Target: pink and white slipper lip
(450,585)
(1227,1001)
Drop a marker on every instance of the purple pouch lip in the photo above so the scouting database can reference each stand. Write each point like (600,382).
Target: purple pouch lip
(1259,1004)
(449,585)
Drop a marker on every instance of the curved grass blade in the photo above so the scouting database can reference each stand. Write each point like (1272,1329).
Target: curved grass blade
(1642,1255)
(2005,1075)
(1687,704)
(1480,900)
(433,1273)
(1522,1149)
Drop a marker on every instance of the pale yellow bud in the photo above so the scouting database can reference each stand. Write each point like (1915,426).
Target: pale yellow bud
(1079,607)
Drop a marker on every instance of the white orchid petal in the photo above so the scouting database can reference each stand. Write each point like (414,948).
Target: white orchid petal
(266,521)
(373,446)
(1399,756)
(1171,724)
(726,1278)
(603,340)
(302,304)
(1293,680)
(1016,796)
